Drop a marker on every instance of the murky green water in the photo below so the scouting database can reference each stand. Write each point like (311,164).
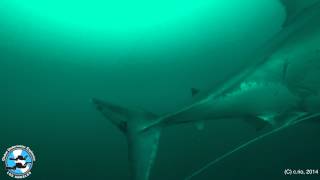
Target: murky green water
(54,57)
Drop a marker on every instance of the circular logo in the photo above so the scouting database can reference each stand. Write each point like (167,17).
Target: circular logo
(18,161)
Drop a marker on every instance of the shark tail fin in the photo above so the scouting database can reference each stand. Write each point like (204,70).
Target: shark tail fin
(116,115)
(142,146)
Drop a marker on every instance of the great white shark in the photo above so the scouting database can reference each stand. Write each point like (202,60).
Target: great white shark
(282,85)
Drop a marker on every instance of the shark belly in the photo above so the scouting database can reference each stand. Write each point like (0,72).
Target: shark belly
(263,100)
(251,99)
(287,83)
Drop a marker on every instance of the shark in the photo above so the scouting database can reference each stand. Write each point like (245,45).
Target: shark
(281,86)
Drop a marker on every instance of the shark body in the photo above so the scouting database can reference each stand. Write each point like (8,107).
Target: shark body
(282,80)
(280,86)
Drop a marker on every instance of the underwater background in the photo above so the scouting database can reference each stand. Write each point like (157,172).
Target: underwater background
(55,56)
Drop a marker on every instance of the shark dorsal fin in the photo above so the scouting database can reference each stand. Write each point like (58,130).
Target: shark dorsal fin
(295,7)
(194,91)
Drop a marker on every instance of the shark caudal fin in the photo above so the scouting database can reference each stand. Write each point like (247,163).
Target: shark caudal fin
(142,146)
(117,115)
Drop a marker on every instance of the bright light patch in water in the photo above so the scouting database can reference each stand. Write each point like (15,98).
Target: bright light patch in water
(141,28)
(121,16)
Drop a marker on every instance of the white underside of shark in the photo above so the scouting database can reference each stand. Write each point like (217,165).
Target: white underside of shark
(282,85)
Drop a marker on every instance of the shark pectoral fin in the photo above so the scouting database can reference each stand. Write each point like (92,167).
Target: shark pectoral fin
(200,125)
(257,122)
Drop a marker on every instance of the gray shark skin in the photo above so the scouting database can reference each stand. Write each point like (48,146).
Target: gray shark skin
(282,83)
(280,86)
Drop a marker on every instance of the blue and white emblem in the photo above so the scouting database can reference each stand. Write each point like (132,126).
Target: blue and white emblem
(18,161)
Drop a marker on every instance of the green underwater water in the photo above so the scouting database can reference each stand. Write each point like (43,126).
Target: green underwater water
(56,56)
